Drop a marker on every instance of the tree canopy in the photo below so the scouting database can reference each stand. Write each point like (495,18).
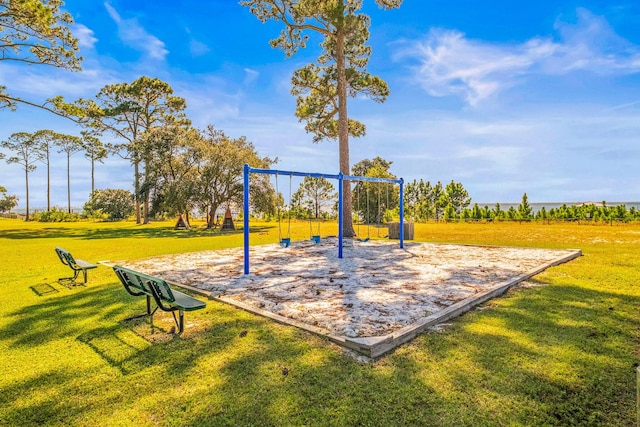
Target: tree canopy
(35,32)
(128,110)
(113,204)
(315,195)
(456,196)
(189,170)
(221,172)
(68,144)
(172,154)
(25,148)
(7,202)
(374,199)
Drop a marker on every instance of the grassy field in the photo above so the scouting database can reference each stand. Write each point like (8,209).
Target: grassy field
(562,353)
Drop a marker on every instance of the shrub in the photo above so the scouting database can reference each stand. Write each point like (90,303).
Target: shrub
(110,204)
(7,202)
(55,215)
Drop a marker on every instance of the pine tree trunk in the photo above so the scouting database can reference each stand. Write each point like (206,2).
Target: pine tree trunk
(136,184)
(48,181)
(147,197)
(343,135)
(93,182)
(68,183)
(147,205)
(26,179)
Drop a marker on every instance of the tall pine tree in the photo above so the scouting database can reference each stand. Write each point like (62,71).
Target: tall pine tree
(323,87)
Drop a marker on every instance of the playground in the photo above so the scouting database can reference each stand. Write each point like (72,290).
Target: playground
(365,295)
(375,298)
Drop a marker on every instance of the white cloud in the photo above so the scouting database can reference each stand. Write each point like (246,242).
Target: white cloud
(85,36)
(113,13)
(198,48)
(250,76)
(135,36)
(622,106)
(451,64)
(208,101)
(39,83)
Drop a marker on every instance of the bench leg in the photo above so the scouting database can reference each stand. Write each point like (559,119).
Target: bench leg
(71,280)
(148,314)
(179,320)
(84,274)
(181,325)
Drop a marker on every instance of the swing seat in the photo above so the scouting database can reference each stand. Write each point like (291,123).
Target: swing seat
(315,239)
(284,243)
(363,240)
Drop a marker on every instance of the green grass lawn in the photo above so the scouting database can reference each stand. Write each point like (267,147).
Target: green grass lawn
(558,354)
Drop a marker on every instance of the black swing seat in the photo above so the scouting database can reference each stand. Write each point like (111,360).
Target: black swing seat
(77,265)
(166,299)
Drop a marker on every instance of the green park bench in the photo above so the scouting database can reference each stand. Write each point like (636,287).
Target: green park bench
(166,299)
(77,265)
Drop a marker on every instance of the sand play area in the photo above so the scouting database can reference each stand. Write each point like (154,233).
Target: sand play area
(372,300)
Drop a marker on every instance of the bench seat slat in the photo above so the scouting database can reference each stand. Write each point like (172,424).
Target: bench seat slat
(187,302)
(85,265)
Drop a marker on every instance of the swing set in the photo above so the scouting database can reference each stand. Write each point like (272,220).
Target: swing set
(286,241)
(367,218)
(340,177)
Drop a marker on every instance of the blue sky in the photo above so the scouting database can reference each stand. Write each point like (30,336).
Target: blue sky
(505,97)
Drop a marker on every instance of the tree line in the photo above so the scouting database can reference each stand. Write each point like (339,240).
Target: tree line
(378,203)
(425,202)
(177,168)
(28,149)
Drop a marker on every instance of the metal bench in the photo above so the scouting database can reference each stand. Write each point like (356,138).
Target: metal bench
(77,265)
(166,299)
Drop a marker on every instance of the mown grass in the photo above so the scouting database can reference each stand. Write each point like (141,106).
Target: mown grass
(562,353)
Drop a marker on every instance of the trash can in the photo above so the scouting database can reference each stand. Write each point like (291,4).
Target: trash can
(394,230)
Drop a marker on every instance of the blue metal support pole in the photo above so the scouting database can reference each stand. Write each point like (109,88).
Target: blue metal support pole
(246,219)
(401,213)
(340,213)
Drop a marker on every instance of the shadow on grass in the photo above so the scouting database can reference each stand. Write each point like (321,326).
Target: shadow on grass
(43,289)
(91,233)
(57,317)
(233,359)
(559,355)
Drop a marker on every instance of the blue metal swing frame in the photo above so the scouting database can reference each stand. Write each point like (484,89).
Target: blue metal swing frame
(340,177)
